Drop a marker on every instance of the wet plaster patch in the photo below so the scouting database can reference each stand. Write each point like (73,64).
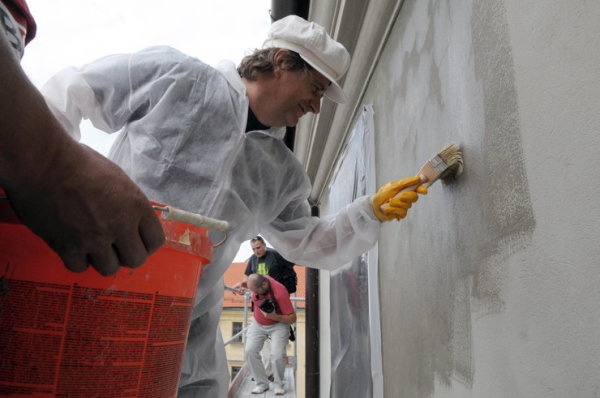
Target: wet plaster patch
(509,213)
(447,75)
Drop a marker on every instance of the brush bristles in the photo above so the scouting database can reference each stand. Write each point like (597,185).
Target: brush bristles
(452,156)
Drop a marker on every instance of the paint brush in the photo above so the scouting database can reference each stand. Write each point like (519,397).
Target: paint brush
(445,165)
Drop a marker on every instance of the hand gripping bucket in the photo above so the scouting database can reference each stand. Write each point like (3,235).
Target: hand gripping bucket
(65,334)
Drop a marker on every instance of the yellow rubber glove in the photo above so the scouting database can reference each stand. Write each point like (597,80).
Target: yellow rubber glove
(388,207)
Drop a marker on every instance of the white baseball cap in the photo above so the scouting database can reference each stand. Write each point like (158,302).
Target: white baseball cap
(315,46)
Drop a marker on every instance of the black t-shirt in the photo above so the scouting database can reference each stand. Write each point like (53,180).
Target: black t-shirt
(271,259)
(253,124)
(274,265)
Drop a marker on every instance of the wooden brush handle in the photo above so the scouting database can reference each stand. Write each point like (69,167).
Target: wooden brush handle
(424,181)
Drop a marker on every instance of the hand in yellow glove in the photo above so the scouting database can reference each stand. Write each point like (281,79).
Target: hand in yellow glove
(389,207)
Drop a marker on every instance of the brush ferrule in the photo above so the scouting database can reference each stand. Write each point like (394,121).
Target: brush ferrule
(438,163)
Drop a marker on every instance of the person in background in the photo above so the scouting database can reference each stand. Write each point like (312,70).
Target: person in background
(273,315)
(83,205)
(210,140)
(268,261)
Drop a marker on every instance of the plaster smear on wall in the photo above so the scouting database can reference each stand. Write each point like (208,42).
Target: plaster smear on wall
(510,213)
(447,75)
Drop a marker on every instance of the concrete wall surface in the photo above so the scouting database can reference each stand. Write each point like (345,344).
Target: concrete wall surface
(491,286)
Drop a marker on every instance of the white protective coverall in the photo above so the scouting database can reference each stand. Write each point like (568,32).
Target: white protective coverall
(182,140)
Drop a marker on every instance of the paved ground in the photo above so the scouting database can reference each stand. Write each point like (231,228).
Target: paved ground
(247,385)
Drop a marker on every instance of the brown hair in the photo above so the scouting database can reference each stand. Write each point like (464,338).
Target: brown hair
(263,61)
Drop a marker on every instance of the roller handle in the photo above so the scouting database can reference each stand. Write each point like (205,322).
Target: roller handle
(198,220)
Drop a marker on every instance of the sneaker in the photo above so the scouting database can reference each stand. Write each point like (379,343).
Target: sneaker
(279,391)
(259,390)
(270,377)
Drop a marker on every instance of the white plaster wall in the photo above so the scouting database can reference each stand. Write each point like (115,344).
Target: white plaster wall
(491,286)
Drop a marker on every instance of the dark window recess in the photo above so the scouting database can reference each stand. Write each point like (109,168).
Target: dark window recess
(234,371)
(237,327)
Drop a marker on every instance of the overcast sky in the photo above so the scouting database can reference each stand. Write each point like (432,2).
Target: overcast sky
(75,32)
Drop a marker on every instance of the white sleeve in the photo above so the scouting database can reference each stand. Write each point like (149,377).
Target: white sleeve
(114,90)
(327,242)
(71,99)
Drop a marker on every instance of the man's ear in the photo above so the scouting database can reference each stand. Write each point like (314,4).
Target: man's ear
(278,61)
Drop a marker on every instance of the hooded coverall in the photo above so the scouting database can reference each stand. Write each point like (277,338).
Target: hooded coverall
(182,140)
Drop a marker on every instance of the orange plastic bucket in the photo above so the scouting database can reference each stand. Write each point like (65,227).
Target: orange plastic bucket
(84,335)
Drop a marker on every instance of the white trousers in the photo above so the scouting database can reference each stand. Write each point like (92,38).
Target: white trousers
(266,357)
(255,338)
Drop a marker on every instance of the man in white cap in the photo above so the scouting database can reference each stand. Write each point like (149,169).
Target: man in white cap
(297,79)
(209,140)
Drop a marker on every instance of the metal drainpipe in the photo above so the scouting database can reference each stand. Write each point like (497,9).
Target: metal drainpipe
(312,371)
(280,9)
(283,8)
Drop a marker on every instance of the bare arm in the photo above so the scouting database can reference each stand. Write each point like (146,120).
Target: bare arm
(80,203)
(291,318)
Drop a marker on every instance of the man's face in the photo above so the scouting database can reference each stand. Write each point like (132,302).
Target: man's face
(258,248)
(293,94)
